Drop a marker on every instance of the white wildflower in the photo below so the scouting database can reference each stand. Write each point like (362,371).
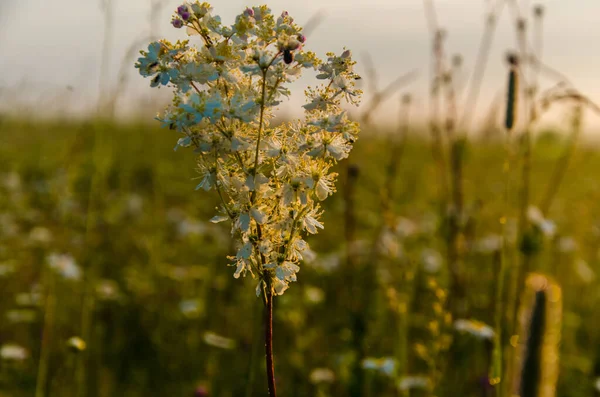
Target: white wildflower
(475,328)
(76,344)
(536,217)
(431,260)
(321,375)
(40,235)
(13,352)
(406,228)
(413,382)
(213,339)
(584,271)
(489,244)
(108,290)
(21,316)
(384,365)
(65,265)
(191,308)
(270,180)
(567,244)
(314,294)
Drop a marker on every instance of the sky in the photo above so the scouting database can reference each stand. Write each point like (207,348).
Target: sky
(51,49)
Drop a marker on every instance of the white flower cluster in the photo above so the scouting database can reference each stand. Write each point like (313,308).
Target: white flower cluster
(270,178)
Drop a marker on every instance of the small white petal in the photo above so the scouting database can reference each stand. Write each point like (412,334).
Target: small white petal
(219,218)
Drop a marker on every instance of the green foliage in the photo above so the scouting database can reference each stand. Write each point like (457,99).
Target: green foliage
(160,315)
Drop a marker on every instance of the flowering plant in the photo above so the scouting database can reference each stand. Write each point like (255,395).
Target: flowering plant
(270,179)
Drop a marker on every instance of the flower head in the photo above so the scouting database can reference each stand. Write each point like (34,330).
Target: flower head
(182,9)
(270,179)
(177,23)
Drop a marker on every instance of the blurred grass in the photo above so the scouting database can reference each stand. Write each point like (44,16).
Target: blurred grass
(155,283)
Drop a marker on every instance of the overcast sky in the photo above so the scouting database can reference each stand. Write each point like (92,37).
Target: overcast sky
(51,48)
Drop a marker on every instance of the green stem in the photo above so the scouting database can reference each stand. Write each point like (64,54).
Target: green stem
(497,360)
(42,375)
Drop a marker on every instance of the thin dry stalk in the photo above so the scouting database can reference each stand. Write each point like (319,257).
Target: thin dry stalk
(156,7)
(496,370)
(437,140)
(454,211)
(108,10)
(358,277)
(397,146)
(123,79)
(483,54)
(563,162)
(379,96)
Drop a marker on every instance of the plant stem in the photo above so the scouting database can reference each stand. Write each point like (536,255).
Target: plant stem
(497,356)
(483,54)
(47,336)
(563,162)
(261,121)
(269,340)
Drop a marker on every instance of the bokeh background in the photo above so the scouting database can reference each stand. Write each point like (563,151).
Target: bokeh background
(59,57)
(114,283)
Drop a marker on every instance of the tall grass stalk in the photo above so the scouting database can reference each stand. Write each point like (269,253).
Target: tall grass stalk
(452,209)
(524,254)
(522,257)
(358,319)
(483,53)
(106,6)
(156,7)
(437,140)
(496,370)
(41,387)
(562,164)
(397,145)
(102,158)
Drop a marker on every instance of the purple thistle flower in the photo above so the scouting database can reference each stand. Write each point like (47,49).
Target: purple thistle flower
(301,38)
(178,23)
(249,11)
(185,15)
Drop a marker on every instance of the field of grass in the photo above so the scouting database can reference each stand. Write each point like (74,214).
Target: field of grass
(103,238)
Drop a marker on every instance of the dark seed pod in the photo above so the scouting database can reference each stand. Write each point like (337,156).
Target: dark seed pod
(536,369)
(288,56)
(353,171)
(538,11)
(512,92)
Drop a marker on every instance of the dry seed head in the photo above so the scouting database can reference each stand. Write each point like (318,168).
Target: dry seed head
(457,60)
(353,171)
(537,362)
(512,59)
(538,11)
(512,91)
